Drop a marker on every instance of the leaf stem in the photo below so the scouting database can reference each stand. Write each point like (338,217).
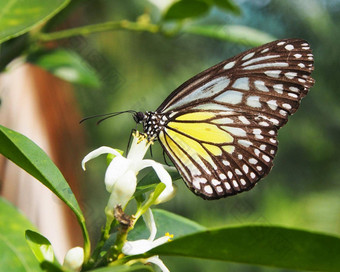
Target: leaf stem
(89,29)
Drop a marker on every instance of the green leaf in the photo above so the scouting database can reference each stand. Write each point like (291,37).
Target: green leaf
(186,9)
(19,17)
(66,65)
(40,246)
(233,33)
(260,245)
(150,180)
(15,253)
(166,222)
(228,5)
(30,157)
(125,268)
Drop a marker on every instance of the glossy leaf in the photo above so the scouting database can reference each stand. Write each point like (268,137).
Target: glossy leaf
(228,5)
(15,253)
(186,9)
(19,17)
(40,246)
(233,33)
(66,65)
(166,222)
(125,268)
(260,245)
(27,155)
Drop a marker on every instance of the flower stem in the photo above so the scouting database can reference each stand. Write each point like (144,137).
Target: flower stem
(89,29)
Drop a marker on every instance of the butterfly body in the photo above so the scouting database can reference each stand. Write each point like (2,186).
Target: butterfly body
(219,128)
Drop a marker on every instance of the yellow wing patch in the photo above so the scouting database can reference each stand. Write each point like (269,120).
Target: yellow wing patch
(196,116)
(189,145)
(203,132)
(215,150)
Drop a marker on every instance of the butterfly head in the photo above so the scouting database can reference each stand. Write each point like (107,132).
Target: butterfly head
(153,122)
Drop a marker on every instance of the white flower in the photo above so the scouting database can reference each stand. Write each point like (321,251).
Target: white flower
(120,176)
(144,245)
(74,259)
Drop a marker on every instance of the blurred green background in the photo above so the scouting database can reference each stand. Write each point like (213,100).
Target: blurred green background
(139,70)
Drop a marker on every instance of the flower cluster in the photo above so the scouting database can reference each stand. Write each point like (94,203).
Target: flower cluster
(121,183)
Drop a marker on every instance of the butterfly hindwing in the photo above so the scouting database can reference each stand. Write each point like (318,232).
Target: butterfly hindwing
(219,128)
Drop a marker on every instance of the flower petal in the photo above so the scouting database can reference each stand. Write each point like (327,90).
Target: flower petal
(139,146)
(164,177)
(137,247)
(97,152)
(74,259)
(116,169)
(123,190)
(150,223)
(157,261)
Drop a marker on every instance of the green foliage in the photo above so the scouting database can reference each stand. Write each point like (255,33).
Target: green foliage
(16,255)
(186,9)
(19,17)
(27,155)
(183,9)
(261,245)
(66,65)
(166,222)
(30,157)
(233,33)
(125,268)
(40,246)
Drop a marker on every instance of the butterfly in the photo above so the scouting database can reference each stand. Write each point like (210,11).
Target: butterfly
(220,127)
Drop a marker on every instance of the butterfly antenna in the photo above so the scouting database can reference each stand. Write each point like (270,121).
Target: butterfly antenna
(106,116)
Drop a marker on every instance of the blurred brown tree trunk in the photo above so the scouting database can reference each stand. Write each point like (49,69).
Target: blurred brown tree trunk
(42,107)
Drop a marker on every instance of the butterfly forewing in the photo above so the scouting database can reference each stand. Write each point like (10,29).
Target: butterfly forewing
(219,128)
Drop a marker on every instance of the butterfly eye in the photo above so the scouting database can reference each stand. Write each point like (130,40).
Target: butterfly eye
(139,117)
(219,128)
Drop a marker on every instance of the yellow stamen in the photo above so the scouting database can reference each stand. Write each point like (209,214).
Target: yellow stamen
(171,236)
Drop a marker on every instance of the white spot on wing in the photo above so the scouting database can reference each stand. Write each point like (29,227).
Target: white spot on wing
(272,104)
(222,176)
(230,97)
(278,88)
(241,83)
(224,120)
(289,47)
(212,107)
(266,158)
(253,101)
(253,161)
(235,131)
(273,73)
(265,65)
(244,120)
(259,59)
(215,182)
(286,106)
(260,85)
(208,189)
(290,75)
(207,90)
(229,65)
(245,143)
(248,56)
